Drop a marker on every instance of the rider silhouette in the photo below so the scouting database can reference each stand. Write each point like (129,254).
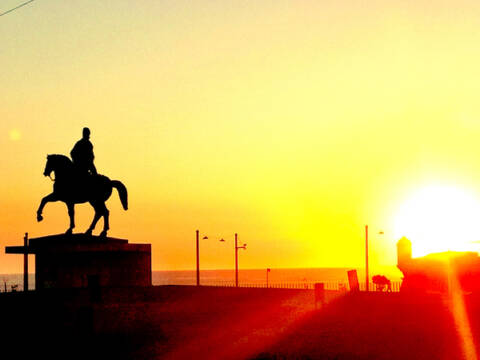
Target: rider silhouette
(82,154)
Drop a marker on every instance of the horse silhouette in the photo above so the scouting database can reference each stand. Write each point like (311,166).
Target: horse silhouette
(74,187)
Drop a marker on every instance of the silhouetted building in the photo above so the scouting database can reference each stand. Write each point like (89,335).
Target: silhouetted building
(438,271)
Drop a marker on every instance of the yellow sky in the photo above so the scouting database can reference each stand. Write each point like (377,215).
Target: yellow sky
(293,123)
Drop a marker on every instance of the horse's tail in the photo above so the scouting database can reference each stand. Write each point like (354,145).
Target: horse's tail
(122,192)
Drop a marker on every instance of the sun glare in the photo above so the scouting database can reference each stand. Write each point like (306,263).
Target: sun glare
(440,218)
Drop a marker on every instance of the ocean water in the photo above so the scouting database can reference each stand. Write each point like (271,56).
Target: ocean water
(14,282)
(332,277)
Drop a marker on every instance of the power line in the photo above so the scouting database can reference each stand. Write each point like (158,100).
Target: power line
(16,7)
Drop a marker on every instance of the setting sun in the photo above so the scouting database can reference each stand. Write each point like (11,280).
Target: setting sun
(439,218)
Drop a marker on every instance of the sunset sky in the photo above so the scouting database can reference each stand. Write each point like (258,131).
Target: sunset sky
(293,123)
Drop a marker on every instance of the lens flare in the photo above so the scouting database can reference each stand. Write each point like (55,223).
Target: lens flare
(14,134)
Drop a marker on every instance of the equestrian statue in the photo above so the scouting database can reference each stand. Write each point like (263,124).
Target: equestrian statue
(77,181)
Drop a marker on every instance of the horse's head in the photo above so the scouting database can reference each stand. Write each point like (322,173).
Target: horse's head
(48,166)
(57,163)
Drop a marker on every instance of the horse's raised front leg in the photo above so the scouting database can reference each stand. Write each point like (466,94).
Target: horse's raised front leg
(49,198)
(71,214)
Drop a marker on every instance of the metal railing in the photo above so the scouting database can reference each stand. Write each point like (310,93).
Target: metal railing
(307,285)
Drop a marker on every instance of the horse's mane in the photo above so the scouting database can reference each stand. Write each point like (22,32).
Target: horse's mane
(60,159)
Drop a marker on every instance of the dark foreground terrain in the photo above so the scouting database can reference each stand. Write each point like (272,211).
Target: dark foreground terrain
(183,322)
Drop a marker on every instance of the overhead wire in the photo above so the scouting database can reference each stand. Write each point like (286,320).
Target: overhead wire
(16,7)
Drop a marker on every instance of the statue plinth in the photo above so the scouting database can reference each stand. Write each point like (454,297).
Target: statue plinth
(79,260)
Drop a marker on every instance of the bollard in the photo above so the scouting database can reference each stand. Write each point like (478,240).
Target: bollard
(319,293)
(353,281)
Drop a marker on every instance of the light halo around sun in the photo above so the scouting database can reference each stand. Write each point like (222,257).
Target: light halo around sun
(438,218)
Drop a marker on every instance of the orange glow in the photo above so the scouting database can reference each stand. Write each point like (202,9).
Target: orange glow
(293,124)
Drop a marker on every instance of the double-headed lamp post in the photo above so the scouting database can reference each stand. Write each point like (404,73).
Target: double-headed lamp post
(244,246)
(198,255)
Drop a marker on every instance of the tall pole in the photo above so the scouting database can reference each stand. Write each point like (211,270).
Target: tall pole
(366,259)
(25,263)
(198,260)
(236,261)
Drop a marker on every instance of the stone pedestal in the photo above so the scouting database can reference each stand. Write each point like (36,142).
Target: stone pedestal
(78,260)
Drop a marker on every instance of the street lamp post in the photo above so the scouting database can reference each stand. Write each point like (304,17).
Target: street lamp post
(198,255)
(236,258)
(366,259)
(25,263)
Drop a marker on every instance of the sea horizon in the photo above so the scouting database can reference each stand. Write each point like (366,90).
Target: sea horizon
(226,277)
